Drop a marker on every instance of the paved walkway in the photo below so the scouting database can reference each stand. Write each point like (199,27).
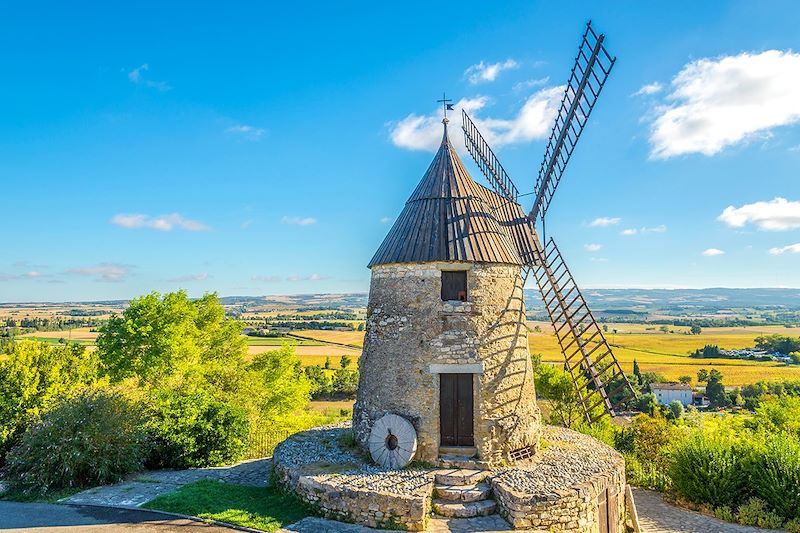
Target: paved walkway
(484,524)
(145,486)
(657,516)
(49,518)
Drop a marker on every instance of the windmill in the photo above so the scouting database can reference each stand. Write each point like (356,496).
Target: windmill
(600,383)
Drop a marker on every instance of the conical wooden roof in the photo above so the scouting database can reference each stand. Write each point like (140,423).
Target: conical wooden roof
(449,217)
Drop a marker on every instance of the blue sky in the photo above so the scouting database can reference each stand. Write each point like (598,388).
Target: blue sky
(266,149)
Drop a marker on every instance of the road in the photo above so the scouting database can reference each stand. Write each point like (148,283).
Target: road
(52,518)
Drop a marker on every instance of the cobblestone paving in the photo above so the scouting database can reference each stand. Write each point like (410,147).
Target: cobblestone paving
(145,486)
(485,524)
(657,516)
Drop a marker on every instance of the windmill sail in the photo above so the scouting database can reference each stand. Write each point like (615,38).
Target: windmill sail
(588,76)
(479,149)
(598,377)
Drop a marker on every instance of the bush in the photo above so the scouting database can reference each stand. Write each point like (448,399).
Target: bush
(195,430)
(756,513)
(93,438)
(775,475)
(644,474)
(725,513)
(711,469)
(792,526)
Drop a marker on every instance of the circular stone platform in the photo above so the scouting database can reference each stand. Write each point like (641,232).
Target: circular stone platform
(571,483)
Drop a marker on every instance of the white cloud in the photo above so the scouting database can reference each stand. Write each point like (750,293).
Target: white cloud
(108,272)
(592,247)
(485,72)
(778,214)
(32,274)
(299,221)
(711,252)
(385,220)
(603,222)
(636,231)
(650,88)
(267,279)
(161,223)
(247,132)
(136,76)
(310,277)
(202,276)
(791,248)
(716,103)
(533,121)
(528,84)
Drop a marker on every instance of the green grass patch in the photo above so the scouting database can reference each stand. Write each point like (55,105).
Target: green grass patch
(279,341)
(265,508)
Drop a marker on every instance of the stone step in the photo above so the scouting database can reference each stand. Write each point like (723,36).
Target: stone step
(464,451)
(464,493)
(452,509)
(456,462)
(460,476)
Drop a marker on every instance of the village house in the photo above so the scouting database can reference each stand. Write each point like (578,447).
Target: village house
(666,393)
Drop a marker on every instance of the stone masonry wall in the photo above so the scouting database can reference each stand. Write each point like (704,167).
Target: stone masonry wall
(409,328)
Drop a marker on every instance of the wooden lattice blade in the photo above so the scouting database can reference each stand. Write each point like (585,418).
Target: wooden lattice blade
(600,383)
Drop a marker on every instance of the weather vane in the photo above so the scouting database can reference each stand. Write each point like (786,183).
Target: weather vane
(446,106)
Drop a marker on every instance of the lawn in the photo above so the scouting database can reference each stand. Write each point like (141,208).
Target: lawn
(264,508)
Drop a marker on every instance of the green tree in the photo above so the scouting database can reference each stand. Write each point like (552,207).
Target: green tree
(695,329)
(647,403)
(33,377)
(344,362)
(636,370)
(158,336)
(360,326)
(555,385)
(715,390)
(675,410)
(686,380)
(327,362)
(702,375)
(664,329)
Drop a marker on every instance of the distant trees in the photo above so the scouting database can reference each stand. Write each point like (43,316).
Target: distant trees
(686,380)
(709,351)
(778,343)
(695,329)
(702,375)
(715,390)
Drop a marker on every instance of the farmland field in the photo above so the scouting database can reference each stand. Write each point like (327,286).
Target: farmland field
(665,353)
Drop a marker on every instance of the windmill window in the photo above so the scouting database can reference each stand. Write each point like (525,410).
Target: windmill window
(454,285)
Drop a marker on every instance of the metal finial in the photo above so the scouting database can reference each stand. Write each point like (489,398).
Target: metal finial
(446,106)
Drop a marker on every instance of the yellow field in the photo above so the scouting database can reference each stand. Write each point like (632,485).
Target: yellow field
(352,338)
(76,334)
(313,355)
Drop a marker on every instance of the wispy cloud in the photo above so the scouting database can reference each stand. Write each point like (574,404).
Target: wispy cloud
(202,276)
(603,222)
(105,272)
(650,88)
(791,249)
(266,278)
(592,247)
(137,77)
(719,102)
(532,121)
(310,277)
(299,221)
(529,84)
(779,214)
(246,132)
(385,220)
(30,275)
(160,223)
(640,231)
(486,72)
(711,252)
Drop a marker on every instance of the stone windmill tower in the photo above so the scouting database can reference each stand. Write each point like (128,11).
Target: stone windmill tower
(446,344)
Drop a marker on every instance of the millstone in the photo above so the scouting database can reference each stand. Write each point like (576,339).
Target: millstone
(392,441)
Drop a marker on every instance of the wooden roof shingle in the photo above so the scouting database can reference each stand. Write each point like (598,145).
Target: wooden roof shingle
(449,217)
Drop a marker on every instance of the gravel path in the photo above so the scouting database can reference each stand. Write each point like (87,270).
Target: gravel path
(657,516)
(145,486)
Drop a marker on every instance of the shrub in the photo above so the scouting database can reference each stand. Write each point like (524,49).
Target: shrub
(90,439)
(710,468)
(792,526)
(644,474)
(756,513)
(195,430)
(775,475)
(725,513)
